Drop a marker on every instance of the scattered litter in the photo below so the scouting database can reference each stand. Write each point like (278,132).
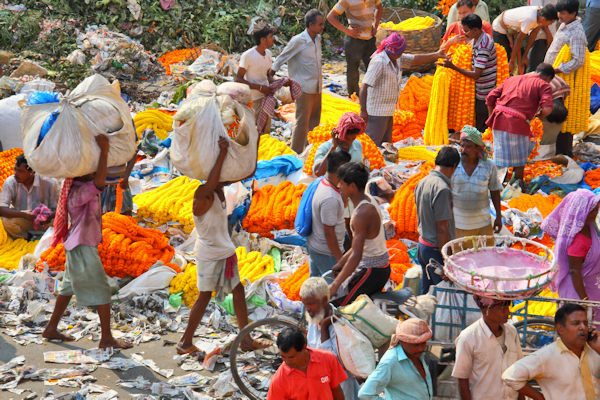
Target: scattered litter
(92,356)
(167,373)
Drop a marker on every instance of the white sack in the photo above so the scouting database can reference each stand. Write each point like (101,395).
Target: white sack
(158,277)
(354,349)
(69,150)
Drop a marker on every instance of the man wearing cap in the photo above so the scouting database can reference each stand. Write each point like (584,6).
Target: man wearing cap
(382,82)
(484,350)
(473,179)
(402,372)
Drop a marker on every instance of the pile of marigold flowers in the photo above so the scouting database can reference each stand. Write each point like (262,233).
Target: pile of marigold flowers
(545,204)
(399,260)
(127,249)
(273,208)
(414,97)
(405,126)
(403,209)
(539,168)
(7,163)
(177,56)
(592,178)
(291,286)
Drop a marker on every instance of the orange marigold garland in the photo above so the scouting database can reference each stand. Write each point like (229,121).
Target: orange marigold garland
(538,168)
(461,108)
(7,163)
(405,126)
(415,98)
(502,72)
(403,209)
(545,204)
(291,286)
(177,56)
(126,248)
(399,260)
(592,178)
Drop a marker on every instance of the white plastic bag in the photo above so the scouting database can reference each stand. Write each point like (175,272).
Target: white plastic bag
(195,148)
(453,298)
(10,120)
(365,316)
(69,150)
(158,277)
(354,349)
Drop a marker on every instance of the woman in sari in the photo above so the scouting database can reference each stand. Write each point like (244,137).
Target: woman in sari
(577,245)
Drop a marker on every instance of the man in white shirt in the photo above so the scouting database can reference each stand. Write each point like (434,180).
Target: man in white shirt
(303,57)
(314,294)
(254,67)
(484,350)
(543,39)
(325,243)
(381,85)
(563,369)
(21,194)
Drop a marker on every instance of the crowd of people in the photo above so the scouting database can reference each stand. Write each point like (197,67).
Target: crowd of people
(347,244)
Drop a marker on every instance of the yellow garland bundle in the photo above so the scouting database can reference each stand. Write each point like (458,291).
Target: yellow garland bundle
(273,208)
(171,202)
(578,102)
(186,282)
(269,147)
(3,234)
(333,107)
(11,251)
(416,153)
(461,107)
(595,66)
(160,122)
(502,72)
(537,308)
(410,24)
(403,209)
(436,126)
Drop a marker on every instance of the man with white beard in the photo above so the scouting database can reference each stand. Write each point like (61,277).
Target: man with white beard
(314,294)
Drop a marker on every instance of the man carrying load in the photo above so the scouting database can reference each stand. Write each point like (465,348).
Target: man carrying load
(22,193)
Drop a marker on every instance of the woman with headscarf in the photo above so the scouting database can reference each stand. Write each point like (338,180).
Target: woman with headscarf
(343,137)
(577,245)
(473,179)
(381,85)
(402,372)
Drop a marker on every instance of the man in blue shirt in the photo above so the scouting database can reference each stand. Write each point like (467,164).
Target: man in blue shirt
(402,373)
(591,23)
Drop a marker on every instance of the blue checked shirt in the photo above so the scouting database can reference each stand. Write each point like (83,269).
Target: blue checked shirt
(573,35)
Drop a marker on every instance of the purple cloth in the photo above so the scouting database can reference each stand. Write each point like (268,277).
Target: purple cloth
(563,224)
(85,213)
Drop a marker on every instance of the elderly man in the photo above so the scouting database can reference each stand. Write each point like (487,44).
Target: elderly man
(484,350)
(433,198)
(563,369)
(474,177)
(570,32)
(326,241)
(478,7)
(305,374)
(314,294)
(402,372)
(382,82)
(303,57)
(22,193)
(485,66)
(350,125)
(363,17)
(511,106)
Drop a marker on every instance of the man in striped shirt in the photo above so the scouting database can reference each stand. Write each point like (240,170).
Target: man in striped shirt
(363,17)
(484,65)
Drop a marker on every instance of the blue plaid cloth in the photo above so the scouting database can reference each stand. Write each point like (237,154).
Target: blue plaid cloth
(511,150)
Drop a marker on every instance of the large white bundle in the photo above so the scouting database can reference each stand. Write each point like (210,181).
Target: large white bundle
(69,150)
(195,149)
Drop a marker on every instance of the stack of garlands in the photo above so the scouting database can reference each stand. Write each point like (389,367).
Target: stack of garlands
(322,133)
(160,122)
(399,260)
(461,107)
(539,168)
(273,208)
(436,126)
(177,56)
(415,97)
(127,249)
(537,131)
(269,147)
(416,153)
(410,24)
(545,204)
(333,107)
(578,102)
(171,202)
(186,283)
(291,286)
(592,178)
(403,209)
(7,163)
(11,250)
(405,126)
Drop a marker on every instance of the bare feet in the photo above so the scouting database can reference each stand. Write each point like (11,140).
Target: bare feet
(115,344)
(190,349)
(53,334)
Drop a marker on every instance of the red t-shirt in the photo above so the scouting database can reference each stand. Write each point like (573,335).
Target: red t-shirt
(455,28)
(522,93)
(323,374)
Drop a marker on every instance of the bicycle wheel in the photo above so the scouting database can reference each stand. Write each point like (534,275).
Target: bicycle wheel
(252,370)
(535,332)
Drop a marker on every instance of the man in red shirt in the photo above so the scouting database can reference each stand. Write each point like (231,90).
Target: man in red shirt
(455,33)
(511,106)
(305,374)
